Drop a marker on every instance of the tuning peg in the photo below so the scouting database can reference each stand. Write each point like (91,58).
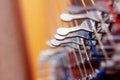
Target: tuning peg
(56,42)
(84,26)
(93,15)
(70,17)
(50,44)
(71,35)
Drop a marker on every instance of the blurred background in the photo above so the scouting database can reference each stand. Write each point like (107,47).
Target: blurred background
(25,25)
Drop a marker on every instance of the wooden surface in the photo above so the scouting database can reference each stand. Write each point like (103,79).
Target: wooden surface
(13,60)
(40,19)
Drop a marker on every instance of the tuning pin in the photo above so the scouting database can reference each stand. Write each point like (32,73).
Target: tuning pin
(93,15)
(61,45)
(56,36)
(65,31)
(70,17)
(67,45)
(50,44)
(84,26)
(56,42)
(71,35)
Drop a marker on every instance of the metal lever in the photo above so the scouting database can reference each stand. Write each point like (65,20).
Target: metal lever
(84,26)
(59,37)
(93,15)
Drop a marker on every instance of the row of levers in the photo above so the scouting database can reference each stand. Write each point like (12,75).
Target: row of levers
(89,47)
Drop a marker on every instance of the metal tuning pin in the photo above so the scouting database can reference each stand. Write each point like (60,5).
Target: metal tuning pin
(93,15)
(84,26)
(71,35)
(70,17)
(56,42)
(75,34)
(50,44)
(63,44)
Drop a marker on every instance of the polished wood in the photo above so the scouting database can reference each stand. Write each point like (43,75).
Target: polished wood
(13,60)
